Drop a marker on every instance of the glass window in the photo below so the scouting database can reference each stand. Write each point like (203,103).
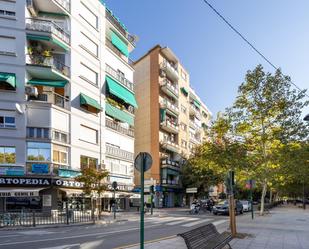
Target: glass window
(39,133)
(86,162)
(183,109)
(60,154)
(38,152)
(7,155)
(46,132)
(7,122)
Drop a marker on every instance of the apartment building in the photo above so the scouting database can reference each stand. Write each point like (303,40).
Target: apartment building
(169,122)
(66,100)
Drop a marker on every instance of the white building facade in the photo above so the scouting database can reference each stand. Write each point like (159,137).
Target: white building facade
(66,100)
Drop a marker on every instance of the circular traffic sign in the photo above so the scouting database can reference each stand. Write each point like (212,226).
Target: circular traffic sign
(114,185)
(143,159)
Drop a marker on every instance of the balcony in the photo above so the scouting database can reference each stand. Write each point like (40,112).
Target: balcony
(43,67)
(167,163)
(171,108)
(117,127)
(48,27)
(109,44)
(169,88)
(171,71)
(170,126)
(51,98)
(194,125)
(194,139)
(119,26)
(193,110)
(119,153)
(120,78)
(50,6)
(170,145)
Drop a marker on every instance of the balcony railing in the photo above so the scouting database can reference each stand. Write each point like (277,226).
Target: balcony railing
(170,125)
(48,26)
(169,162)
(51,98)
(40,60)
(119,78)
(119,153)
(171,71)
(116,51)
(119,27)
(117,127)
(170,145)
(169,105)
(173,88)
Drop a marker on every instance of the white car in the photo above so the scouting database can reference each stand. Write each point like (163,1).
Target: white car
(246,205)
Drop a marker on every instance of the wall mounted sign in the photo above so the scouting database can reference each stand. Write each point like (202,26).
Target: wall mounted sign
(40,168)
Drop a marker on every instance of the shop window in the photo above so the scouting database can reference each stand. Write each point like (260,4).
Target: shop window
(7,155)
(88,162)
(39,152)
(7,122)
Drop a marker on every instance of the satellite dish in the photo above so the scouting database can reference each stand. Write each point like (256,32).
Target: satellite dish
(19,109)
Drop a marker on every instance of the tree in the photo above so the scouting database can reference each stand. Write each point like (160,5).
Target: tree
(93,182)
(266,114)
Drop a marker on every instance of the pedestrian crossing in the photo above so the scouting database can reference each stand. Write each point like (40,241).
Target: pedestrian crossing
(182,221)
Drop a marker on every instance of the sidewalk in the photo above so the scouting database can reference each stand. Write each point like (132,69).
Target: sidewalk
(284,228)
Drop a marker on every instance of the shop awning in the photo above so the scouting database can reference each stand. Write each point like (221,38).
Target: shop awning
(121,92)
(184,91)
(120,44)
(9,78)
(51,83)
(73,192)
(47,38)
(19,192)
(86,100)
(119,114)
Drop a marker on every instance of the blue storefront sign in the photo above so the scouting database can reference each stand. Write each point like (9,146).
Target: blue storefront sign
(40,168)
(68,173)
(15,172)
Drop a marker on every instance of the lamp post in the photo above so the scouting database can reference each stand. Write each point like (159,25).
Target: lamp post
(114,185)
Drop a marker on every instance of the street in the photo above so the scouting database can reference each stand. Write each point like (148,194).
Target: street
(119,234)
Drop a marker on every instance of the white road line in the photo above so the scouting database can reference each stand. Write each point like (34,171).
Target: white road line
(181,221)
(166,219)
(62,247)
(218,222)
(9,235)
(191,224)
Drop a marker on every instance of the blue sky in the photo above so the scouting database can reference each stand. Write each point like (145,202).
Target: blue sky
(216,57)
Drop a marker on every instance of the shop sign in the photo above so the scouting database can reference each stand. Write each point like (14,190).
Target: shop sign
(10,171)
(191,190)
(68,183)
(19,193)
(40,168)
(120,187)
(68,173)
(24,181)
(47,200)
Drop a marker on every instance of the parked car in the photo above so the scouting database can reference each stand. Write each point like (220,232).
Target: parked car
(246,205)
(223,208)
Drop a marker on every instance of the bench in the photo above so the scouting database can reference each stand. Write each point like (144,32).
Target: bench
(206,237)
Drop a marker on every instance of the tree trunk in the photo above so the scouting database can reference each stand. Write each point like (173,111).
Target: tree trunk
(270,196)
(263,197)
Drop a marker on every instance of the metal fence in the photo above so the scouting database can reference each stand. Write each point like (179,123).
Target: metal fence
(34,218)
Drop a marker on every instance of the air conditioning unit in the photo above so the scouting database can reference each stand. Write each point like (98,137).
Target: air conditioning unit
(31,91)
(31,8)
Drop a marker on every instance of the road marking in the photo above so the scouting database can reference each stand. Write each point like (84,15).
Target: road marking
(218,222)
(181,221)
(9,235)
(62,247)
(74,237)
(191,224)
(166,219)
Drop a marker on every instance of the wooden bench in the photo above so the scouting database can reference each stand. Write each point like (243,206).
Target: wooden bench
(206,237)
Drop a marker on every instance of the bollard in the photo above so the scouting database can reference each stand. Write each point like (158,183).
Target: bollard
(33,218)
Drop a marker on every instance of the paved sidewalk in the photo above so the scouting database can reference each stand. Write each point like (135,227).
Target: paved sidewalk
(284,228)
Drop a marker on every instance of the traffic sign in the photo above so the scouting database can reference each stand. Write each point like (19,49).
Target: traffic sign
(114,185)
(143,159)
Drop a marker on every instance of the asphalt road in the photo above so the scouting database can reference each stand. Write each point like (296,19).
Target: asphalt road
(115,235)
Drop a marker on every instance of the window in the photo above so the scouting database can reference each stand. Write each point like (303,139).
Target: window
(60,136)
(39,152)
(87,44)
(7,122)
(7,155)
(6,13)
(88,162)
(183,143)
(183,126)
(7,45)
(88,74)
(183,109)
(88,134)
(88,16)
(60,154)
(36,132)
(183,75)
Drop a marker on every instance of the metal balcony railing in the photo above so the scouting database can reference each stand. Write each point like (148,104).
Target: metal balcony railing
(119,153)
(117,127)
(40,60)
(170,86)
(47,26)
(169,105)
(171,125)
(112,72)
(52,98)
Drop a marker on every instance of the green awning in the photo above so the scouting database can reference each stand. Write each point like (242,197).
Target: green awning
(120,44)
(47,38)
(197,103)
(9,78)
(52,83)
(119,114)
(204,125)
(184,91)
(86,100)
(162,115)
(121,92)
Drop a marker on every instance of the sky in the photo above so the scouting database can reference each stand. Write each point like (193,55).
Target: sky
(216,58)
